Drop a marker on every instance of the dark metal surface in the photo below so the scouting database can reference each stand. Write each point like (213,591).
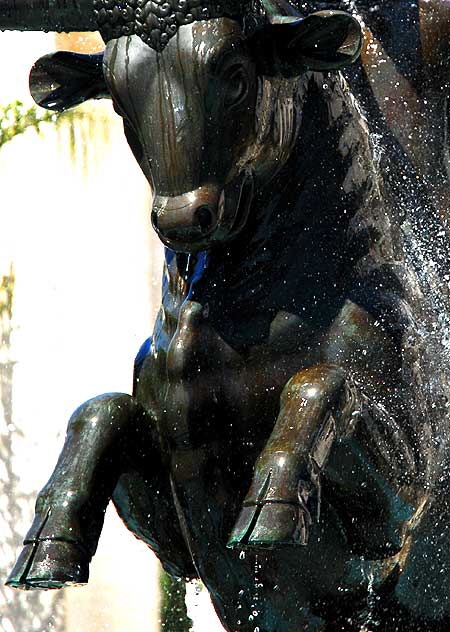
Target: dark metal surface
(47,15)
(287,437)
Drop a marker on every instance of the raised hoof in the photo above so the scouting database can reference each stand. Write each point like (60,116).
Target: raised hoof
(277,510)
(49,564)
(270,525)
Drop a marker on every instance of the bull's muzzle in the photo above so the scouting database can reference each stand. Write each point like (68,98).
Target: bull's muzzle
(208,215)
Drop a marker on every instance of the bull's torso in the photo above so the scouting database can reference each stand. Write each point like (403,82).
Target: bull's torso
(216,400)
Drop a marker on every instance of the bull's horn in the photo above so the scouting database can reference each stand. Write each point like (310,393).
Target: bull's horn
(47,15)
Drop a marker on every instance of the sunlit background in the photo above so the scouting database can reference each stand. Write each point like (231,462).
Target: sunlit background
(80,286)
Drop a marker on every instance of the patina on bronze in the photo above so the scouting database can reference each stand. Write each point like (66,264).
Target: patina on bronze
(291,402)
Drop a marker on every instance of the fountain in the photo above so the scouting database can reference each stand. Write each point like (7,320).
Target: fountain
(287,436)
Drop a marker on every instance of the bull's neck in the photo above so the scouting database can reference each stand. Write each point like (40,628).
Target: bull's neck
(293,254)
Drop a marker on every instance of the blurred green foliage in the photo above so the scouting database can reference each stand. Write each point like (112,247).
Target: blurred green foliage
(173,612)
(78,128)
(15,119)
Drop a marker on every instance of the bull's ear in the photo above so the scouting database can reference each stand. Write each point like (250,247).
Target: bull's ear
(63,79)
(326,40)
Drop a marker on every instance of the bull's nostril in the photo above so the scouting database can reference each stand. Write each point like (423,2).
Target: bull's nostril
(204,217)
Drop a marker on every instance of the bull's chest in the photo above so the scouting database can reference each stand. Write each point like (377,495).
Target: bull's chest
(214,392)
(198,369)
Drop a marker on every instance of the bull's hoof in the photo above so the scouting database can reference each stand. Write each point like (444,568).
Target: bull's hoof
(270,525)
(279,505)
(54,554)
(50,564)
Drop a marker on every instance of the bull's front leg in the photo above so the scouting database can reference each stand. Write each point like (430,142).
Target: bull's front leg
(323,444)
(102,435)
(285,494)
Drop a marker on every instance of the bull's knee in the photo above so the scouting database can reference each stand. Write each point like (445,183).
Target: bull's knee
(320,386)
(88,465)
(307,401)
(111,409)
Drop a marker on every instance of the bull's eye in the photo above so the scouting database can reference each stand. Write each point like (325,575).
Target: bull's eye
(236,86)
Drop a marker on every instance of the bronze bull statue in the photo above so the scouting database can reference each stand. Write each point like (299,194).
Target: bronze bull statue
(287,437)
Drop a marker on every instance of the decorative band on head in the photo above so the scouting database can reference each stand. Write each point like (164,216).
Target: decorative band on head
(156,21)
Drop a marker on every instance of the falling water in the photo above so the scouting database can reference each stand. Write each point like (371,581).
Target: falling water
(255,602)
(241,594)
(426,254)
(369,622)
(257,585)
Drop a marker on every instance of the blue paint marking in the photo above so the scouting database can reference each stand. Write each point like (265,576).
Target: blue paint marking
(142,353)
(169,255)
(200,267)
(160,335)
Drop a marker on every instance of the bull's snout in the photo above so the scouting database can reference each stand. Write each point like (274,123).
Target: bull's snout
(209,214)
(187,219)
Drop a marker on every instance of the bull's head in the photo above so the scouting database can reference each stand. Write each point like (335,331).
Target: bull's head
(211,114)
